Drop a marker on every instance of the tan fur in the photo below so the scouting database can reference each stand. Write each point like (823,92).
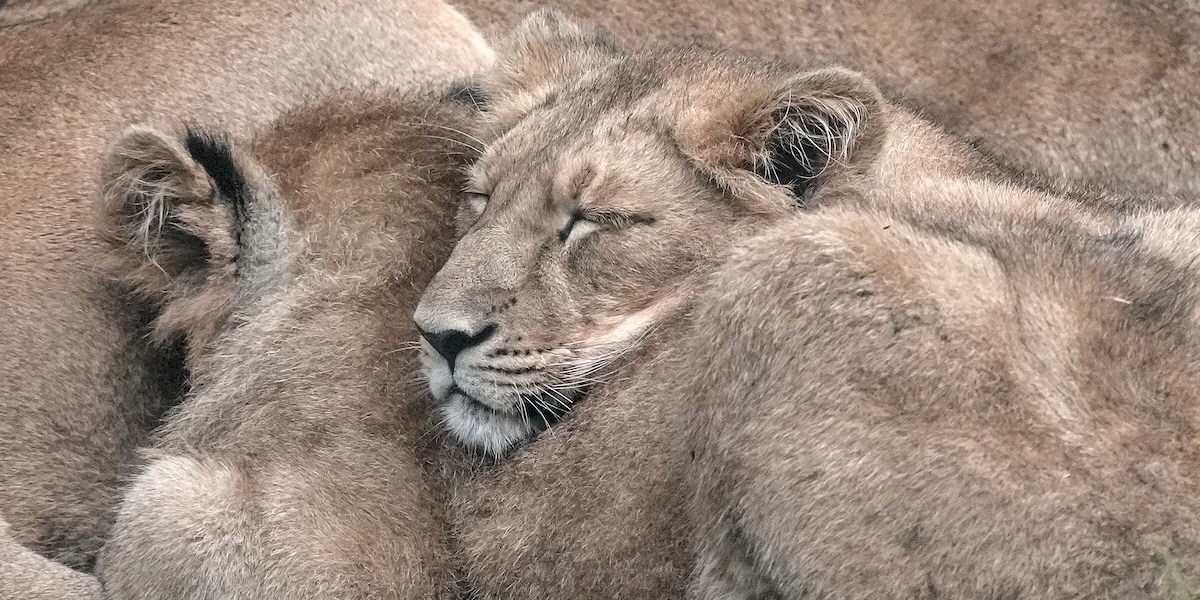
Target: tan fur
(604,331)
(80,384)
(1092,89)
(292,469)
(15,12)
(959,391)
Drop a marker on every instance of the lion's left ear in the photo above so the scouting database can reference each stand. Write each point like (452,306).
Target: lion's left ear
(545,51)
(795,134)
(536,51)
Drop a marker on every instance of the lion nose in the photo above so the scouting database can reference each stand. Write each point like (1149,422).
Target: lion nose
(451,343)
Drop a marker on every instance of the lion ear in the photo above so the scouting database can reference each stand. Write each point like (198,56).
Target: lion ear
(171,206)
(533,54)
(795,135)
(545,50)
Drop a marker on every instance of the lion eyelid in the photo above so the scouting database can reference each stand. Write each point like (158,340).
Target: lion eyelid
(586,221)
(614,217)
(577,228)
(477,201)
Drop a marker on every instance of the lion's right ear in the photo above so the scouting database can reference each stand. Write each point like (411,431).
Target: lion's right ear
(796,133)
(171,206)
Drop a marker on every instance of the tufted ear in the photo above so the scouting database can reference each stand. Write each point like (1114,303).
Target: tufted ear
(796,134)
(173,207)
(544,51)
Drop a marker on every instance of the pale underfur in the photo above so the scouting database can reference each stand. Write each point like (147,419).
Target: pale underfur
(900,374)
(1089,89)
(296,468)
(81,382)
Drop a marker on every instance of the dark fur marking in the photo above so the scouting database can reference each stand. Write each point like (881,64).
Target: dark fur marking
(214,154)
(1122,241)
(915,535)
(1165,294)
(1159,292)
(468,93)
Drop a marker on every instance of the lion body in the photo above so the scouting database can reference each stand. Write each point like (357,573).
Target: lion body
(964,389)
(294,467)
(986,357)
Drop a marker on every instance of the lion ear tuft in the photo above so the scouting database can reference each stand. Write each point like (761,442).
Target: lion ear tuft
(170,208)
(796,134)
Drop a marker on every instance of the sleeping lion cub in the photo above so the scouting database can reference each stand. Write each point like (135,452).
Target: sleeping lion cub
(913,376)
(291,265)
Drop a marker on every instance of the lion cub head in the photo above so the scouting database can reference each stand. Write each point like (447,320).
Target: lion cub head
(218,233)
(610,183)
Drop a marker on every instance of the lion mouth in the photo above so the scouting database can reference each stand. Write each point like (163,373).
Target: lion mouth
(497,425)
(471,401)
(538,411)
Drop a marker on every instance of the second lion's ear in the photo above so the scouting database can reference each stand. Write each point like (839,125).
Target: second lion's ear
(172,205)
(795,134)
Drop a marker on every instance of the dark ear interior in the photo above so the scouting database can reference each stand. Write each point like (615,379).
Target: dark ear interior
(817,124)
(173,207)
(805,141)
(795,132)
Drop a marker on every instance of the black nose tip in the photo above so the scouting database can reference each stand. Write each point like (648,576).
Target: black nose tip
(451,342)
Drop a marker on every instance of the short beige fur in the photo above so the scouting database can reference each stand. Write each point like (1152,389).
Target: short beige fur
(1090,89)
(16,12)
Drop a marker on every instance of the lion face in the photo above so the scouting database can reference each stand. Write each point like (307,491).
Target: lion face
(564,267)
(606,191)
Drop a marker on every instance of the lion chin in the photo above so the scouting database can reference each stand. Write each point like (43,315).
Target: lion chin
(473,422)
